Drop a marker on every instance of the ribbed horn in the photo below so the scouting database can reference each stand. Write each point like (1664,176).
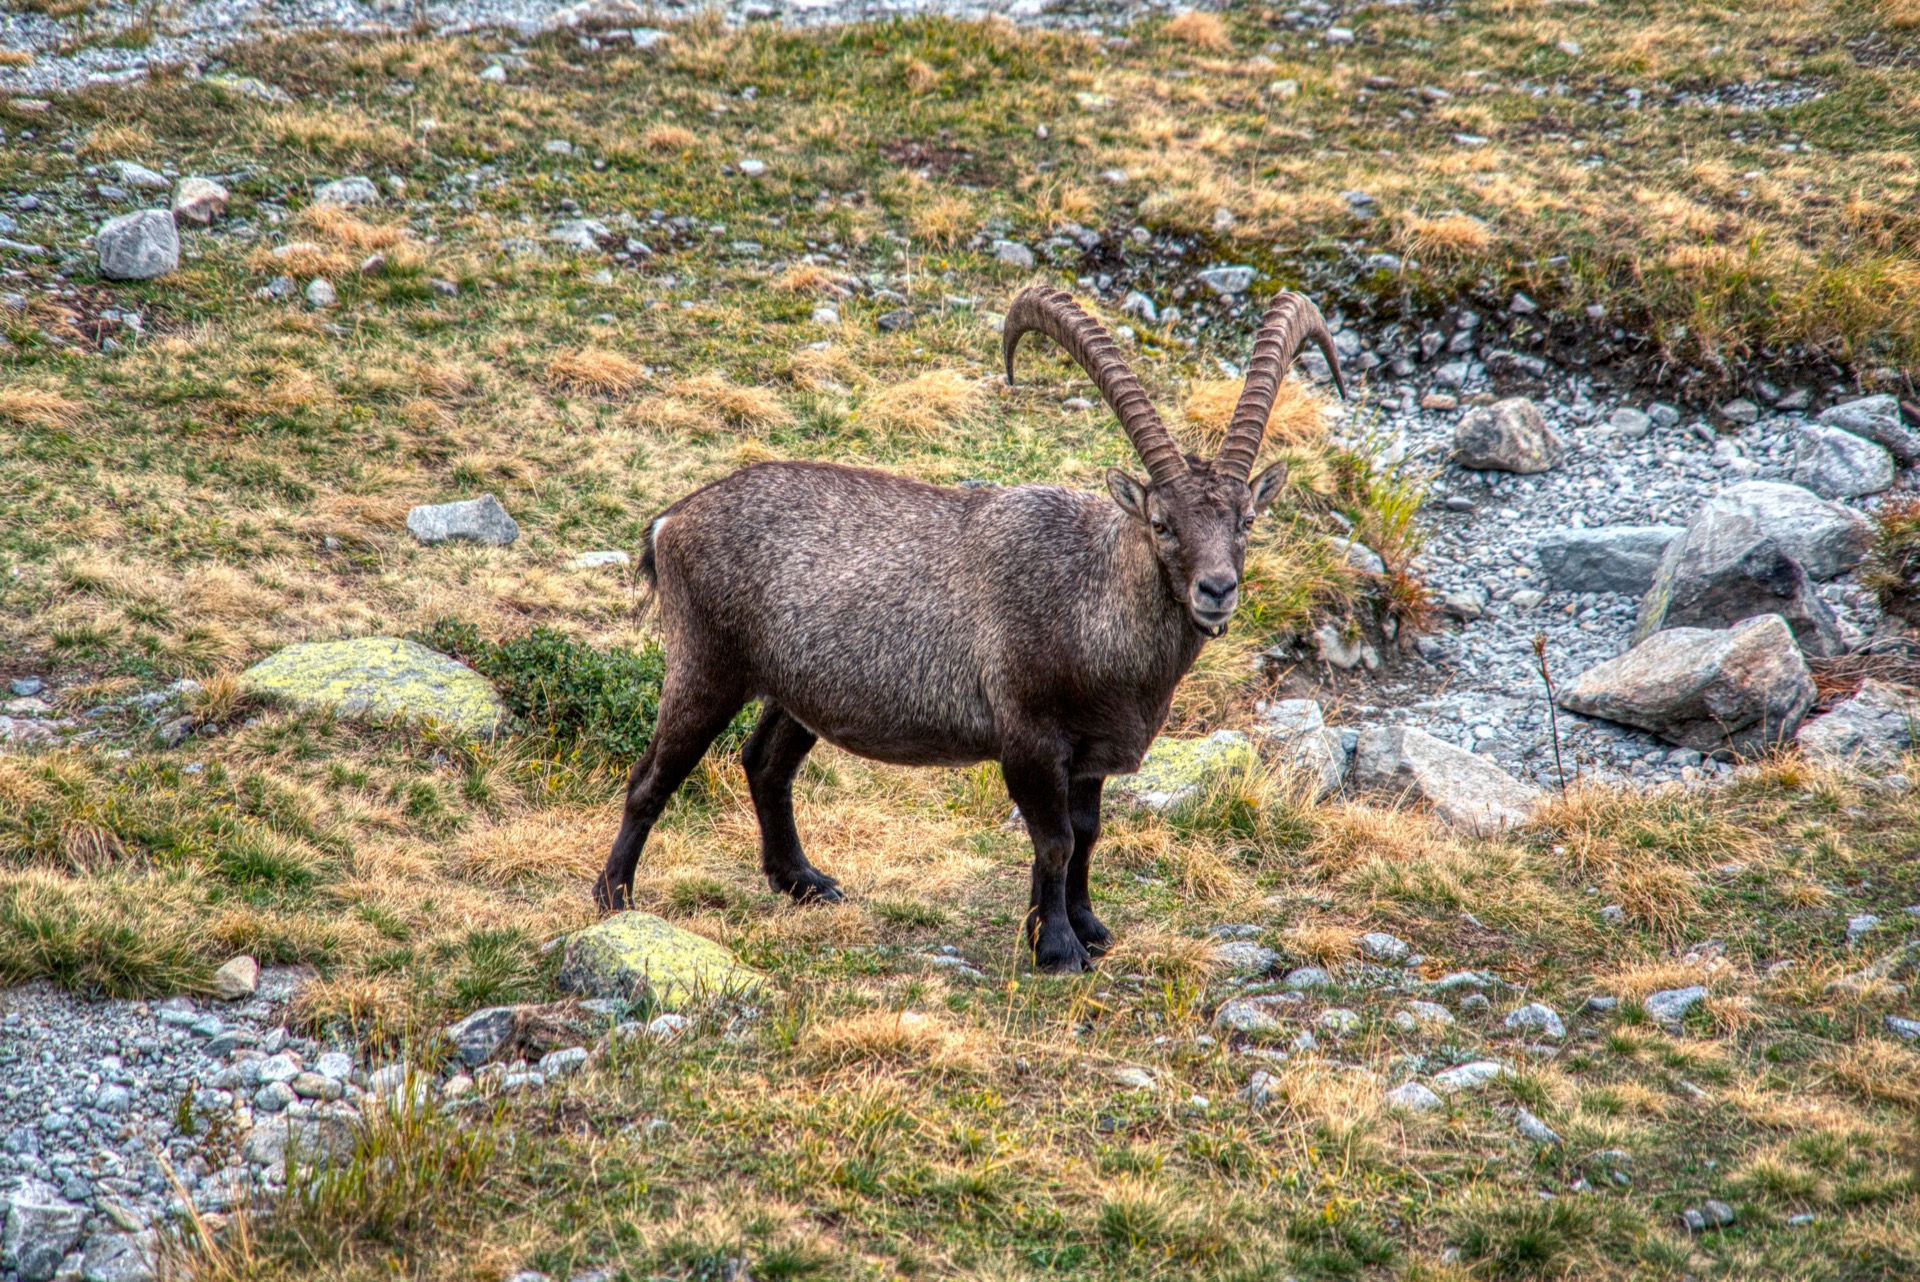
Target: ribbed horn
(1290,322)
(1054,313)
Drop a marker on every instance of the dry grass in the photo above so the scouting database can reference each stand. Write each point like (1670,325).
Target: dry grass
(595,369)
(734,405)
(38,407)
(923,405)
(666,139)
(1200,29)
(895,1039)
(1444,240)
(1298,416)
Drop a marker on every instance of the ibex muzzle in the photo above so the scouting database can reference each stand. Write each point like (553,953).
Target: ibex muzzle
(1035,626)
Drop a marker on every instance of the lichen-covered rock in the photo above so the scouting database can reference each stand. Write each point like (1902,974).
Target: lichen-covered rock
(379,679)
(635,953)
(1176,771)
(1507,436)
(1466,790)
(1876,725)
(1742,688)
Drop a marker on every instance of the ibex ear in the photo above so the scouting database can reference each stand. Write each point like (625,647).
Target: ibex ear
(1266,486)
(1128,493)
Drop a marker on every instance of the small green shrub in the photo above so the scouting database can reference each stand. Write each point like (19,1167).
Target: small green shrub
(605,701)
(1892,569)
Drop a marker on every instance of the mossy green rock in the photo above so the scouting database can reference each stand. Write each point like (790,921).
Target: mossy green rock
(379,679)
(1175,771)
(632,954)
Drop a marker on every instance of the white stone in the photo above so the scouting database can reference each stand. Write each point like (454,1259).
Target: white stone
(1413,1098)
(1836,464)
(1468,1077)
(481,520)
(1466,790)
(139,246)
(356,189)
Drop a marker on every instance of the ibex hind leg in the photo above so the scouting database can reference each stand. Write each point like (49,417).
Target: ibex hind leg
(693,712)
(1083,807)
(771,758)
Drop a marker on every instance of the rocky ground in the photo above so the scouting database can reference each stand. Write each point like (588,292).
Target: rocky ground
(118,1114)
(118,42)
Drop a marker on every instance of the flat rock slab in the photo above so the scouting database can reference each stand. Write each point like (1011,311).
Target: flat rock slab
(1742,688)
(1465,790)
(1876,726)
(1836,464)
(1877,418)
(379,679)
(1612,558)
(1177,771)
(481,520)
(635,953)
(1297,733)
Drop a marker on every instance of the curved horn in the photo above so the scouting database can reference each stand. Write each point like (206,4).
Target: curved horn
(1290,322)
(1054,313)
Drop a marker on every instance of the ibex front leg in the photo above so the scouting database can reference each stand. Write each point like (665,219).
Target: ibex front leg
(1083,800)
(1039,788)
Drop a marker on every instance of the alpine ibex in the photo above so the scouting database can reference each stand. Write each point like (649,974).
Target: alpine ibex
(1039,627)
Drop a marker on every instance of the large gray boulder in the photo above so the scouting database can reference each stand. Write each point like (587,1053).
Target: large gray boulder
(1825,537)
(1877,418)
(1610,558)
(1507,436)
(1465,790)
(1875,726)
(1727,568)
(138,246)
(481,520)
(1839,465)
(1299,737)
(1743,688)
(41,1227)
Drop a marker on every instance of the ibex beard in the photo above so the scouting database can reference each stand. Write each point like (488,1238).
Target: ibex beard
(1039,627)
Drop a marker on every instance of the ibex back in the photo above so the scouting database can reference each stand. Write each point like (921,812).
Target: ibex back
(1039,627)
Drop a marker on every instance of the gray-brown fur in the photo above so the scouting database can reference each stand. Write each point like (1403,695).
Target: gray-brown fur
(1041,627)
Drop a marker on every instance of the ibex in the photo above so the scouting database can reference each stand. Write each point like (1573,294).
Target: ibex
(1040,627)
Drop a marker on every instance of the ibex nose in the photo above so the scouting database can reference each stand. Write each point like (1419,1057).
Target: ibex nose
(1215,593)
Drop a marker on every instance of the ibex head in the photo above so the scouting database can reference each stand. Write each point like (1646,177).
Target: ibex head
(1198,511)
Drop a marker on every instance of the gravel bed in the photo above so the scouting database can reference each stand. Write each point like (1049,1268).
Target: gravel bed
(188,35)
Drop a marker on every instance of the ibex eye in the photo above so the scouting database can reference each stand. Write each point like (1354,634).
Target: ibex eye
(1248,523)
(1159,527)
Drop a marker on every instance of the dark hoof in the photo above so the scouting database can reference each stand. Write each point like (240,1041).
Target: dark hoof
(611,899)
(1093,936)
(817,889)
(1067,958)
